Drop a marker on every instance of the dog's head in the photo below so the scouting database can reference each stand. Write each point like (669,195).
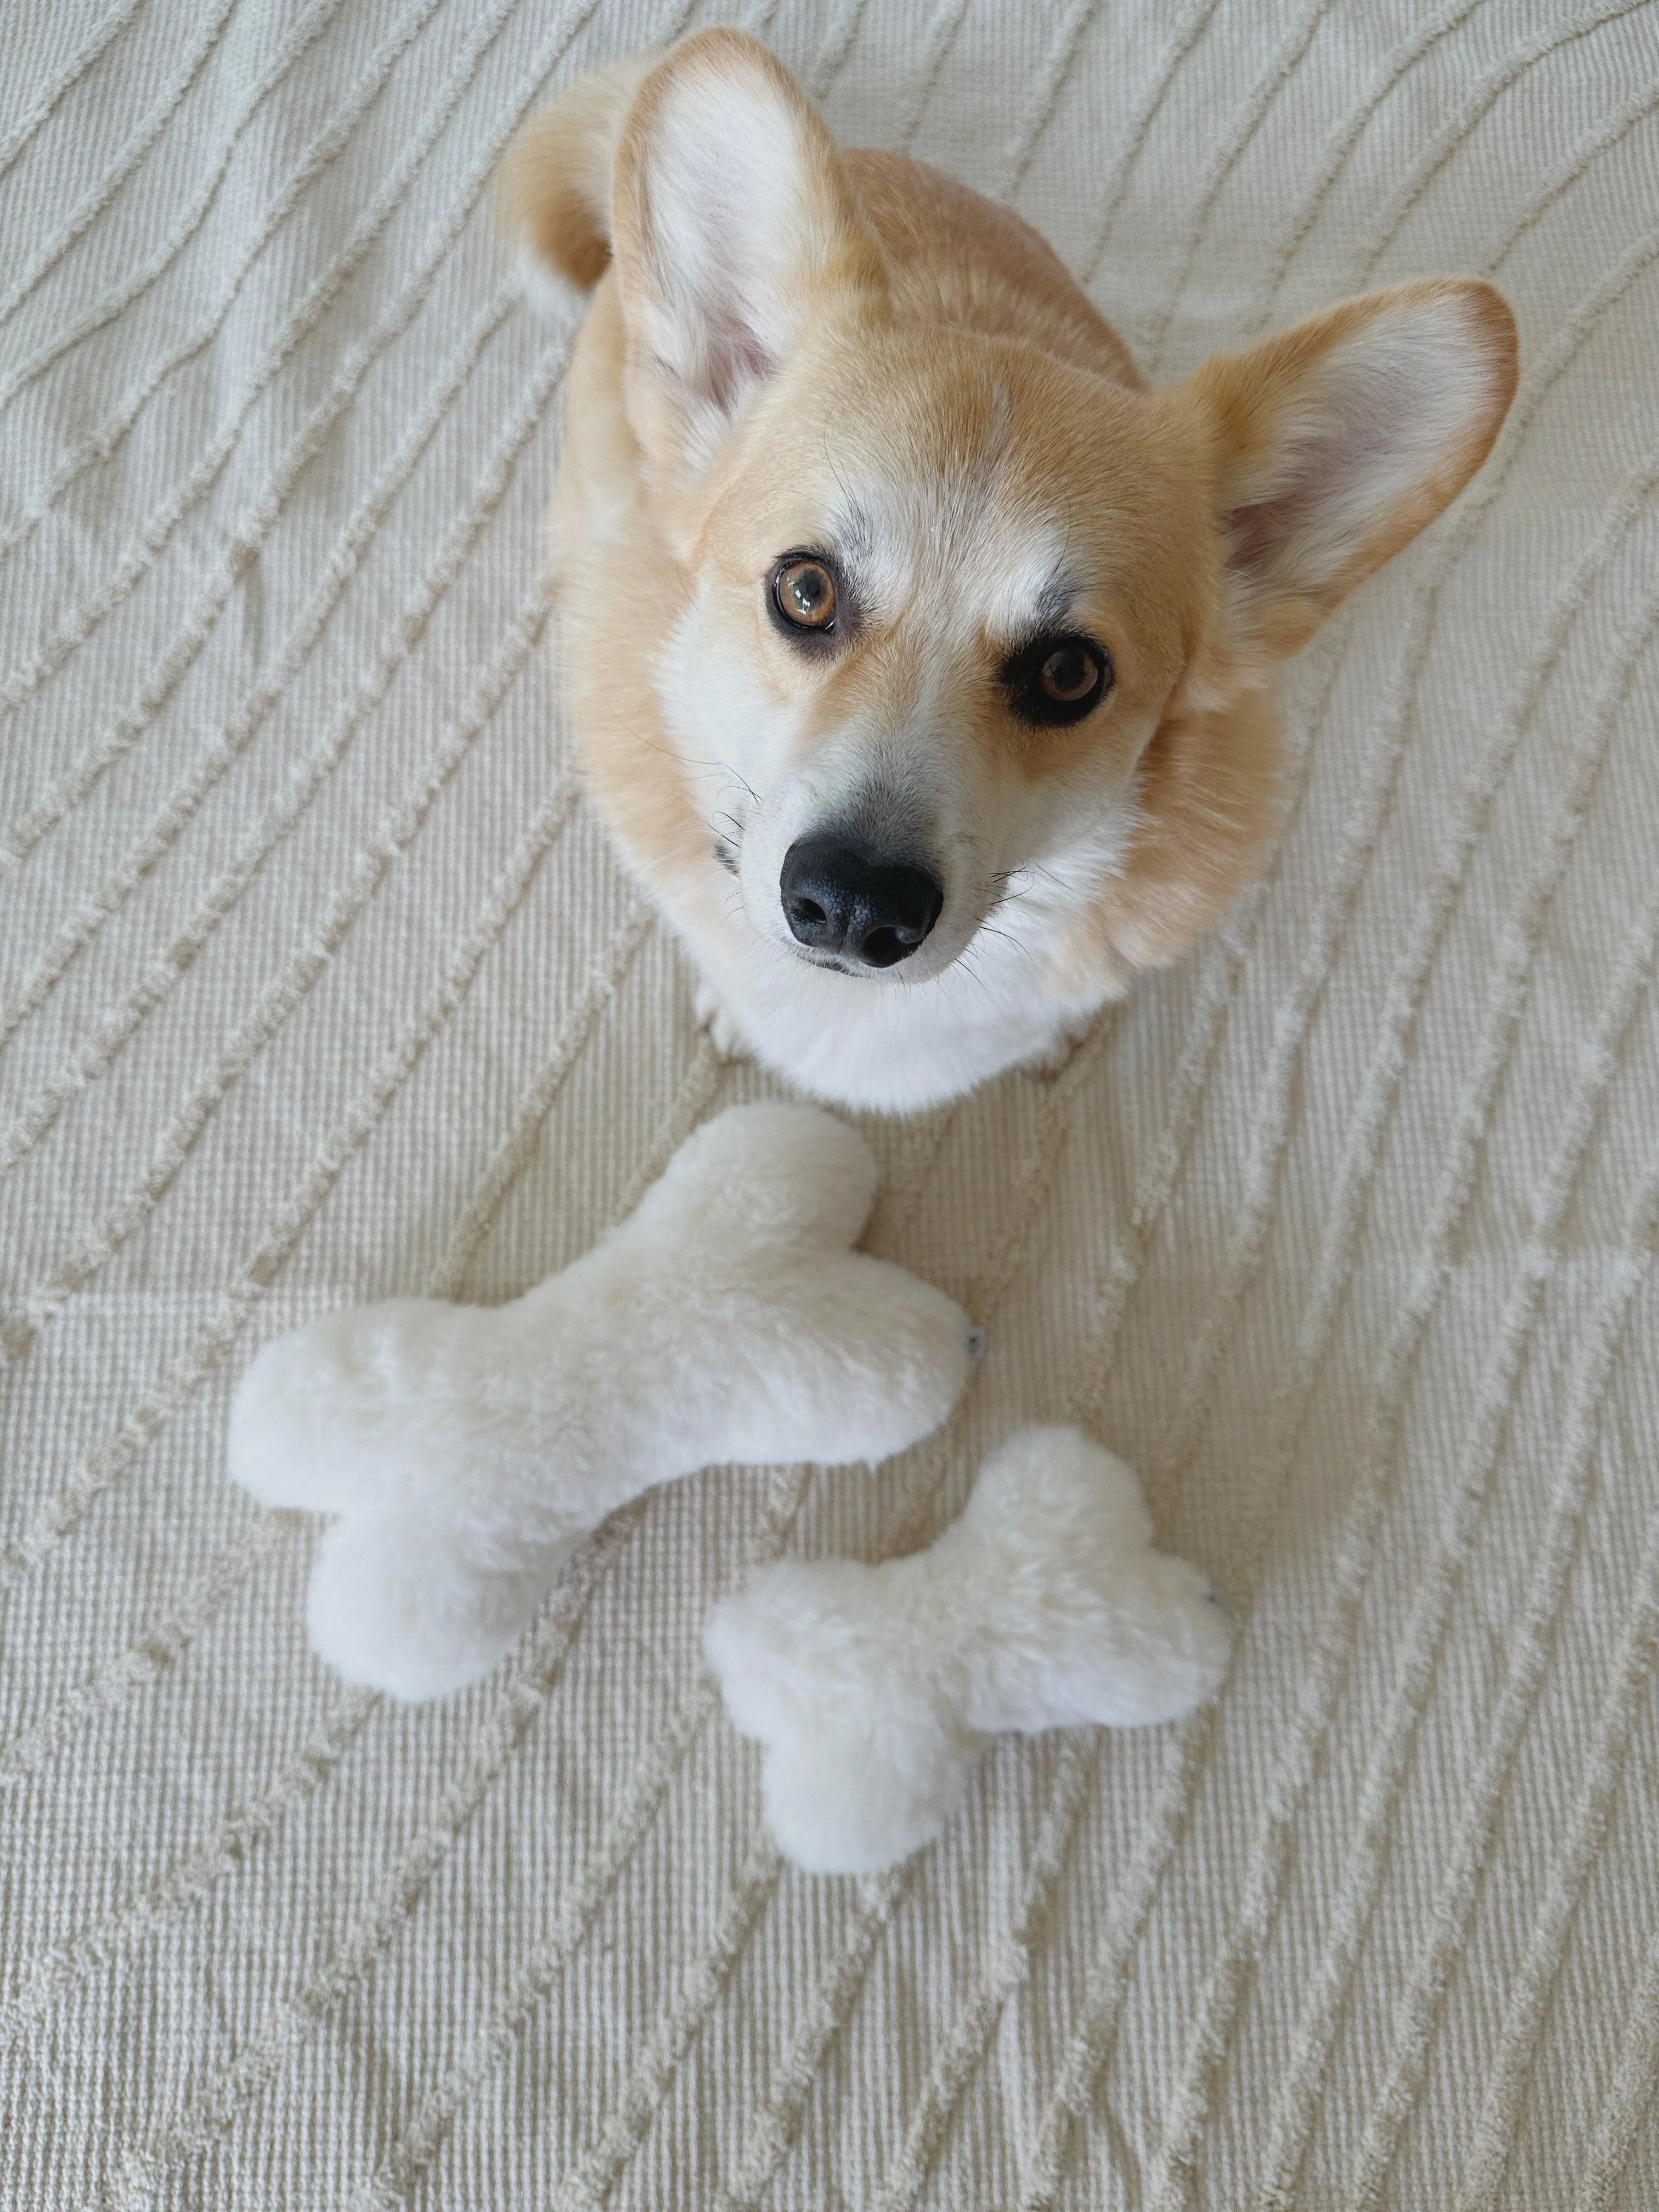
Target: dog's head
(955,604)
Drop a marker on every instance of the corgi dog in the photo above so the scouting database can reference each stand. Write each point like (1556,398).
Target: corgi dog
(921,659)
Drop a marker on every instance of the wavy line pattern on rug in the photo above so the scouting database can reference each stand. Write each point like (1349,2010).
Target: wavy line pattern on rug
(319,982)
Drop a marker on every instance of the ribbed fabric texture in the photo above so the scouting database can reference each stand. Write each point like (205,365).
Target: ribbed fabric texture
(319,982)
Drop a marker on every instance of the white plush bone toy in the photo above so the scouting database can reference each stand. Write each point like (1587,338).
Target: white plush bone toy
(876,1690)
(465,1449)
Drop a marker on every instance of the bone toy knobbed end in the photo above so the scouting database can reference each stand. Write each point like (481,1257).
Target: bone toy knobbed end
(875,1690)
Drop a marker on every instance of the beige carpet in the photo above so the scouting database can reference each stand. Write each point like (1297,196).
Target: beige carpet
(317,983)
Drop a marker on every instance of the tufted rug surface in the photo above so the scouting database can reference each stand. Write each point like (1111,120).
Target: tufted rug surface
(318,983)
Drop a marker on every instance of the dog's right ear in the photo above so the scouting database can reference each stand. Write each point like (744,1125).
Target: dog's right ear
(733,226)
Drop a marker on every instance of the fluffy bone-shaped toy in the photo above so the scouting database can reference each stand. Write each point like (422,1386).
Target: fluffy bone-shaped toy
(466,1448)
(876,1690)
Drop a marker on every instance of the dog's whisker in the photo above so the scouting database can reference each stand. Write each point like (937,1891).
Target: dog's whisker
(1008,938)
(682,759)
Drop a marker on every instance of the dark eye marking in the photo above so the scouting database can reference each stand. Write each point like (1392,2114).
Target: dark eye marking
(806,600)
(1057,679)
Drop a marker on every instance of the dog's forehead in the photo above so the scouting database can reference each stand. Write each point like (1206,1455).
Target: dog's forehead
(941,504)
(969,560)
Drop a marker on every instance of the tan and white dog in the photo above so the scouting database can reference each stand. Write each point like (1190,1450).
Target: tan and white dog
(922,661)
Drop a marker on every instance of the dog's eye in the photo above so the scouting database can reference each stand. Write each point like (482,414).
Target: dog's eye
(1069,674)
(804,595)
(1057,679)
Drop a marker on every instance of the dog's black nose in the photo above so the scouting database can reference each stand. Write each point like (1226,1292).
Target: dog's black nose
(838,897)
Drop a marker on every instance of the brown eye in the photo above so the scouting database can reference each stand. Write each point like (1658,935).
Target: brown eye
(1056,680)
(804,595)
(1068,675)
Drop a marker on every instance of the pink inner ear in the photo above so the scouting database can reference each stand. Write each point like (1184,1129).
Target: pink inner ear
(1340,471)
(1255,534)
(728,206)
(734,357)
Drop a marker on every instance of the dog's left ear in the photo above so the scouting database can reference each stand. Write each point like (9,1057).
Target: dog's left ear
(1337,441)
(733,226)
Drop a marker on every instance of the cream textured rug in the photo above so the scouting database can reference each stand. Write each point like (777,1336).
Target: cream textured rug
(317,983)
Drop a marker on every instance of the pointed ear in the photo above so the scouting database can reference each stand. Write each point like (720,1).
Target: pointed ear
(1337,441)
(733,226)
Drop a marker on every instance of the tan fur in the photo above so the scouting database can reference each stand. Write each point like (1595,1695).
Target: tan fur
(942,341)
(553,190)
(953,257)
